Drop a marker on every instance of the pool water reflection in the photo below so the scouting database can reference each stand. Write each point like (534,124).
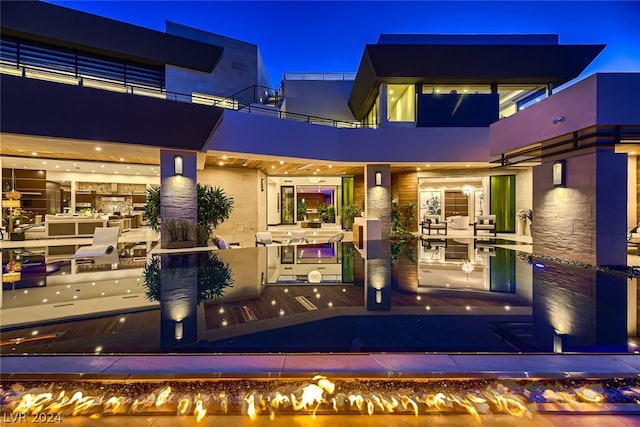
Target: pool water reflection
(445,295)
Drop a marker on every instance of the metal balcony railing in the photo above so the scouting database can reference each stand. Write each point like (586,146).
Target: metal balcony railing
(268,99)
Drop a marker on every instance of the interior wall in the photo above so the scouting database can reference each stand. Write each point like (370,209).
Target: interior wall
(524,193)
(249,208)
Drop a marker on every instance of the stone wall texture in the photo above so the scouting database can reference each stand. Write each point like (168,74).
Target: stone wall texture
(178,195)
(585,220)
(378,198)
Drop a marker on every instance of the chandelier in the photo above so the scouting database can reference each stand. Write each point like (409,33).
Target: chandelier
(467,189)
(467,268)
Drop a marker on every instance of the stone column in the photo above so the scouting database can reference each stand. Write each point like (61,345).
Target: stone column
(178,193)
(377,201)
(584,220)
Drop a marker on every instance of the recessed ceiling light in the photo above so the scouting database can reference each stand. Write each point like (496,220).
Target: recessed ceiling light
(68,170)
(632,152)
(122,159)
(286,172)
(330,166)
(101,166)
(317,170)
(282,162)
(273,166)
(417,168)
(315,173)
(428,165)
(33,153)
(467,166)
(44,163)
(116,172)
(57,166)
(221,163)
(137,173)
(92,171)
(98,149)
(75,164)
(128,167)
(224,157)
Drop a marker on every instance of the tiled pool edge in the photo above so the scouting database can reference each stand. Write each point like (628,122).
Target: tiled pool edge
(269,366)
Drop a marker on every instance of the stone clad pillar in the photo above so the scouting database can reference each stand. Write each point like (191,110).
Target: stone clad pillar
(377,201)
(585,219)
(178,193)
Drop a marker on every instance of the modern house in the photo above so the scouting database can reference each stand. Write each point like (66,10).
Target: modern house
(454,137)
(456,126)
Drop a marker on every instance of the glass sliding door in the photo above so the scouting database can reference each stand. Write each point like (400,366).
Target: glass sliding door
(287,202)
(503,202)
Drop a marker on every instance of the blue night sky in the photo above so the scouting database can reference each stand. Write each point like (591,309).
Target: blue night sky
(305,36)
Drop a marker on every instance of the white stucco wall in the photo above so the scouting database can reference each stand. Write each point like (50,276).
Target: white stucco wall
(321,98)
(250,133)
(239,67)
(603,98)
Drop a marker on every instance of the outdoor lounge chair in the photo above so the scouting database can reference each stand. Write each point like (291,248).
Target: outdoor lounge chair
(103,248)
(264,238)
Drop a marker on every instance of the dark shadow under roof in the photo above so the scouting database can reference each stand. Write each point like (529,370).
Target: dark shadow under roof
(465,64)
(42,108)
(67,28)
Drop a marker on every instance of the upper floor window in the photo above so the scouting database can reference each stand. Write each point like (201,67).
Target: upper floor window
(514,98)
(401,103)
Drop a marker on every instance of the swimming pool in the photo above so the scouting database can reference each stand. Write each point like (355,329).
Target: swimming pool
(443,295)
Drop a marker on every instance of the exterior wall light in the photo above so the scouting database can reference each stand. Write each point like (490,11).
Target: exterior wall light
(179,331)
(378,179)
(559,173)
(177,165)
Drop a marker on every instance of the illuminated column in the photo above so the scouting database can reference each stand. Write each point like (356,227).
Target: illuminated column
(178,188)
(377,276)
(178,300)
(377,184)
(582,215)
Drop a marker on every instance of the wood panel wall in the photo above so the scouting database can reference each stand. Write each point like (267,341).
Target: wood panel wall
(404,189)
(358,191)
(33,186)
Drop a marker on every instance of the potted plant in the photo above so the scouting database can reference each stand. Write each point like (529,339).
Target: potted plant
(179,233)
(302,210)
(349,212)
(214,207)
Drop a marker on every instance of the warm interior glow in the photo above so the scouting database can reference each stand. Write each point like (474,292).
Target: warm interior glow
(401,105)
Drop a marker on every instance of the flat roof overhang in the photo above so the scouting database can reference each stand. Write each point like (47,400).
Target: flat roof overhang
(67,28)
(465,64)
(42,108)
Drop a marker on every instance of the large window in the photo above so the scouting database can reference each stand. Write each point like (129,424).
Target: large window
(373,118)
(514,98)
(401,103)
